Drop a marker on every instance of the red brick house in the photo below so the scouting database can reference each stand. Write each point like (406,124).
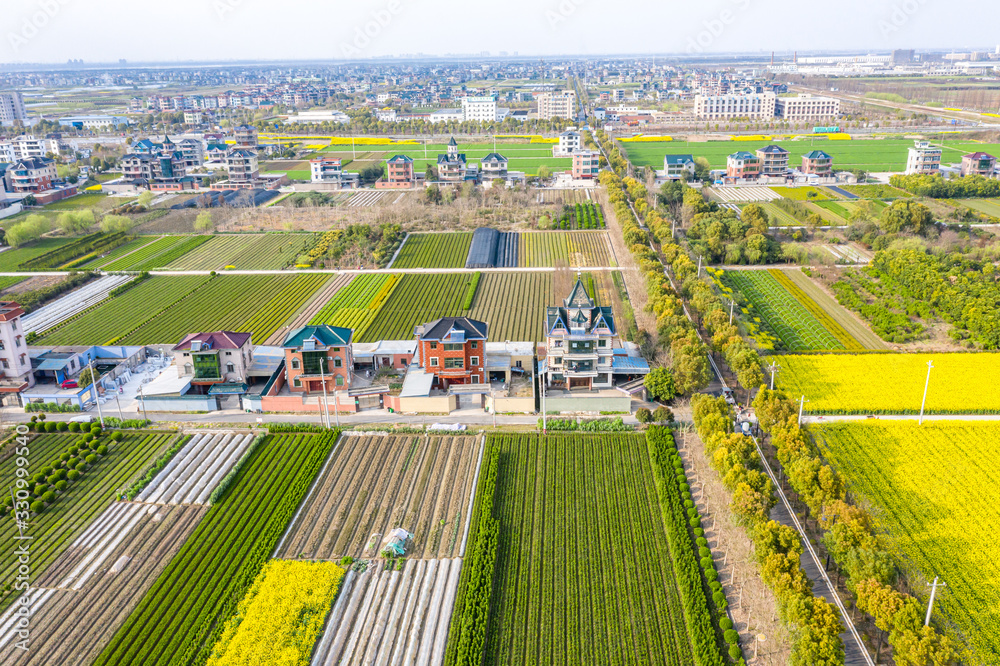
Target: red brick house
(318,354)
(453,349)
(399,174)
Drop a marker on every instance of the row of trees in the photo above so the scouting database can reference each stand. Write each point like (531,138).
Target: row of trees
(937,187)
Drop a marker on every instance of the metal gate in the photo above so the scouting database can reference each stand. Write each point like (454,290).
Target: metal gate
(229,401)
(371,401)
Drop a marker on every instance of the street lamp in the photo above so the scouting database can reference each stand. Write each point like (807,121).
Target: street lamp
(774,367)
(930,365)
(802,402)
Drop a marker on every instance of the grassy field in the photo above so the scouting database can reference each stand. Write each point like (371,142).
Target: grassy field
(616,600)
(441,250)
(876,191)
(355,305)
(521,156)
(989,206)
(892,383)
(12,258)
(932,491)
(95,200)
(245,251)
(121,251)
(807,193)
(151,255)
(868,154)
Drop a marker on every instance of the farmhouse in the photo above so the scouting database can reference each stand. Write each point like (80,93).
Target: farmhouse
(773,161)
(318,358)
(586,164)
(399,174)
(817,162)
(678,167)
(452,166)
(493,166)
(569,143)
(452,350)
(742,165)
(923,158)
(979,164)
(215,363)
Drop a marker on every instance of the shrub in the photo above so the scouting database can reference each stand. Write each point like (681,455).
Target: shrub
(80,465)
(73,475)
(725,624)
(732,636)
(39,489)
(735,652)
(61,426)
(663,415)
(73,461)
(74,450)
(643,415)
(102,449)
(52,478)
(37,506)
(91,458)
(50,427)
(48,496)
(61,485)
(116,436)
(74,427)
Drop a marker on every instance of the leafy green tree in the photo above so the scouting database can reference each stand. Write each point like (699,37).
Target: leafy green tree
(660,384)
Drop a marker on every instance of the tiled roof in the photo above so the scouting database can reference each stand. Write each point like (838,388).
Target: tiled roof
(440,328)
(214,340)
(328,336)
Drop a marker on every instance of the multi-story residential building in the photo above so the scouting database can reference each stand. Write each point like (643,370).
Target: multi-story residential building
(453,350)
(560,104)
(245,137)
(137,166)
(806,107)
(923,158)
(493,166)
(242,166)
(192,151)
(579,342)
(742,165)
(818,163)
(677,167)
(318,355)
(482,109)
(145,147)
(451,165)
(773,161)
(210,359)
(12,108)
(569,143)
(399,171)
(979,164)
(15,363)
(726,107)
(326,170)
(31,175)
(25,146)
(586,164)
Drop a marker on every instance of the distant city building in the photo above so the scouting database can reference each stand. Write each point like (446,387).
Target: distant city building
(480,109)
(818,163)
(561,104)
(193,117)
(923,158)
(94,122)
(677,167)
(586,164)
(773,161)
(12,108)
(980,164)
(743,165)
(806,107)
(726,107)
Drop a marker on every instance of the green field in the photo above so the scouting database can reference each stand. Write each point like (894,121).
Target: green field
(156,254)
(564,248)
(440,250)
(85,200)
(121,251)
(932,492)
(521,156)
(595,563)
(802,193)
(181,615)
(12,258)
(868,154)
(876,191)
(245,251)
(990,207)
(779,217)
(355,305)
(73,510)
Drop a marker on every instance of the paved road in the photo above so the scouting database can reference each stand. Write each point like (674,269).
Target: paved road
(345,271)
(900,417)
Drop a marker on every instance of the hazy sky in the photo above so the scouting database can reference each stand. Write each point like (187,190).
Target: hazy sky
(179,30)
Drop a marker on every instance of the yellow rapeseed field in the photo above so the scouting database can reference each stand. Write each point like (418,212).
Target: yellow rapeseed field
(281,616)
(933,491)
(892,383)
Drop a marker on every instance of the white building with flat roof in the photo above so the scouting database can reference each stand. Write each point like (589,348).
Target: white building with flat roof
(923,158)
(807,107)
(726,107)
(12,108)
(480,109)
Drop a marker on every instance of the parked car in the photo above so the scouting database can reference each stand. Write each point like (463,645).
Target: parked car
(69,383)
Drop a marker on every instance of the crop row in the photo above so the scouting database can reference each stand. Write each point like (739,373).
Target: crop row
(172,254)
(61,522)
(181,615)
(255,304)
(145,254)
(574,248)
(513,304)
(360,294)
(821,315)
(121,251)
(438,250)
(246,251)
(418,298)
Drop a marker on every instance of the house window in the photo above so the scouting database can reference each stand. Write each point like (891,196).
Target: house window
(474,360)
(602,343)
(434,345)
(230,368)
(475,379)
(5,363)
(2,347)
(186,354)
(338,363)
(297,383)
(454,363)
(339,381)
(453,346)
(17,340)
(434,362)
(336,349)
(557,360)
(229,353)
(517,364)
(188,369)
(475,344)
(295,364)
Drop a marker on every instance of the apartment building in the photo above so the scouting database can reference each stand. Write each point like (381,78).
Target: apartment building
(570,142)
(453,350)
(817,162)
(480,109)
(242,166)
(979,164)
(773,161)
(25,146)
(559,104)
(579,342)
(586,164)
(316,356)
(806,108)
(923,158)
(727,107)
(12,108)
(742,165)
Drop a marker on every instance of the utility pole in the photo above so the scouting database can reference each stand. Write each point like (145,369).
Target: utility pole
(97,395)
(930,364)
(119,403)
(541,383)
(322,379)
(336,406)
(732,306)
(802,402)
(699,265)
(142,399)
(774,367)
(930,605)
